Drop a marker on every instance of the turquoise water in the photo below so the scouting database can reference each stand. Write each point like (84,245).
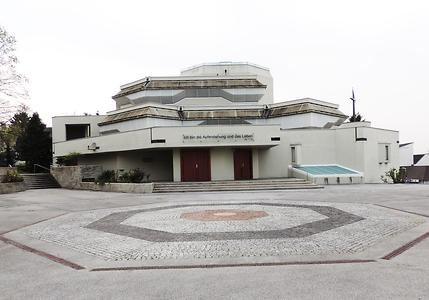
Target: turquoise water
(325,170)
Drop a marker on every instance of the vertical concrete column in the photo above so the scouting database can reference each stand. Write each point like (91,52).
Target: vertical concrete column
(255,163)
(176,164)
(117,160)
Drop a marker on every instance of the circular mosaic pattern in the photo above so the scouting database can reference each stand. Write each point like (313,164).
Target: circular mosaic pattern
(169,220)
(224,215)
(335,217)
(159,231)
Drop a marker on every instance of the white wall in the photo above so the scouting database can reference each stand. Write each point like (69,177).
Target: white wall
(222,163)
(273,162)
(332,146)
(263,75)
(158,164)
(145,123)
(374,168)
(297,121)
(349,152)
(59,125)
(406,155)
(206,101)
(317,145)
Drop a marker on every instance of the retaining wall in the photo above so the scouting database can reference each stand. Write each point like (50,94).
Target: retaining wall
(70,177)
(12,187)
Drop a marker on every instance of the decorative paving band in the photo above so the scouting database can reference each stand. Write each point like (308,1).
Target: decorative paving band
(72,265)
(212,266)
(405,211)
(41,253)
(405,247)
(34,223)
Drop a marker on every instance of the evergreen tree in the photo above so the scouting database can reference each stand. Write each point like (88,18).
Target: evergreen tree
(9,133)
(19,121)
(34,146)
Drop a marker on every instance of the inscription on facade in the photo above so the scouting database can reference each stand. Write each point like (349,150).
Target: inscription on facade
(218,138)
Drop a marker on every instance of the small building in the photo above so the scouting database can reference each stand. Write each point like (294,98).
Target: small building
(219,121)
(421,160)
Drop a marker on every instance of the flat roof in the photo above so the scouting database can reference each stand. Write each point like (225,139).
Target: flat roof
(226,63)
(177,83)
(306,100)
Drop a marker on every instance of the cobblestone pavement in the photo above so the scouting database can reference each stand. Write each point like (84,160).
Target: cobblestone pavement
(234,229)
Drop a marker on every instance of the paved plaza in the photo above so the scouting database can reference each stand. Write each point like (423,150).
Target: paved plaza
(172,243)
(277,228)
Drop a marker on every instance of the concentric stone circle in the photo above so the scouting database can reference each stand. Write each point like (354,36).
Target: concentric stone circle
(224,215)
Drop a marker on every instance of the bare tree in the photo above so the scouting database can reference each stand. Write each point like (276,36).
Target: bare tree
(12,83)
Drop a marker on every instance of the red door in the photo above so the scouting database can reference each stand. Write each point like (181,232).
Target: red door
(243,164)
(195,165)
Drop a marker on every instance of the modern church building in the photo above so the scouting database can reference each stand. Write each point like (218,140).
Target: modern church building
(219,121)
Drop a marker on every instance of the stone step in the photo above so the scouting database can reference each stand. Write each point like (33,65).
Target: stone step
(235,189)
(249,185)
(238,187)
(40,181)
(42,187)
(205,186)
(231,183)
(239,181)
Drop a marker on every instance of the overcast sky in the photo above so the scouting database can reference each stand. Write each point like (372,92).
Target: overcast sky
(77,53)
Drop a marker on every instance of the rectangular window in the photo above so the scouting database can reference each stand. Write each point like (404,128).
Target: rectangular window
(77,131)
(386,152)
(293,153)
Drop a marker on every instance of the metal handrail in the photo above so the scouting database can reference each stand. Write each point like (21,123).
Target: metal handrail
(40,166)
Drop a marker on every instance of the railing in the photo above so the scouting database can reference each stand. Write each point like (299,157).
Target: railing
(40,166)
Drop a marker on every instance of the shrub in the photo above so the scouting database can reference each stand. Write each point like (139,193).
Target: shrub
(394,175)
(12,176)
(69,159)
(133,176)
(106,177)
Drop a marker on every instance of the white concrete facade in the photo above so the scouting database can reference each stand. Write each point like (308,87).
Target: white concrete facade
(406,153)
(231,137)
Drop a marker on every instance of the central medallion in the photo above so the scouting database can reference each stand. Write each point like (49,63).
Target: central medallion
(224,215)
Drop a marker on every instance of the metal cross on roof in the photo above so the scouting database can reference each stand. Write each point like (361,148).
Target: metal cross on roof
(353,100)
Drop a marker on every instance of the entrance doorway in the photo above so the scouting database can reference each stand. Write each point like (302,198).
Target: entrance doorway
(243,164)
(195,165)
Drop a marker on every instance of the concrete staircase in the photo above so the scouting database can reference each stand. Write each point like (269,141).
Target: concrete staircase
(40,181)
(232,185)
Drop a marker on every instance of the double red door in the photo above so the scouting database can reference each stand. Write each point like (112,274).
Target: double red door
(195,165)
(243,164)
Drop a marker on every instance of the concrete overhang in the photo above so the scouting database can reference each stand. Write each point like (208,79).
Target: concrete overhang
(175,137)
